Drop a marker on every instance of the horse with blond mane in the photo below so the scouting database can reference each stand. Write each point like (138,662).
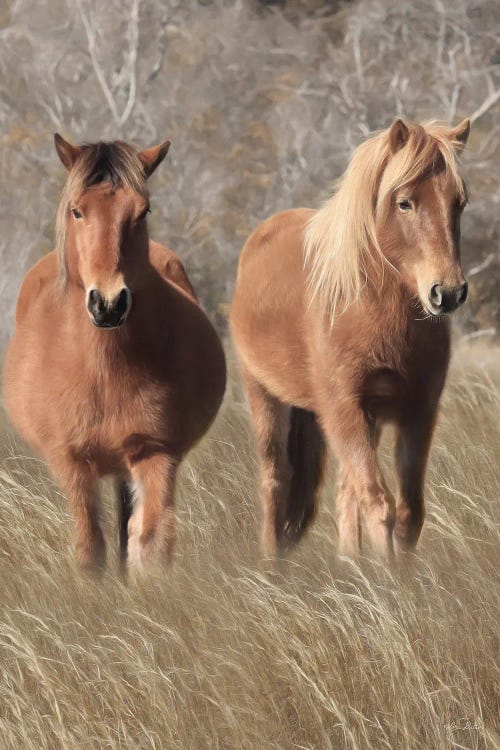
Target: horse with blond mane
(334,321)
(113,367)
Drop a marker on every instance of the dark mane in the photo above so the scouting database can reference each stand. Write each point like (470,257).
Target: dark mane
(115,162)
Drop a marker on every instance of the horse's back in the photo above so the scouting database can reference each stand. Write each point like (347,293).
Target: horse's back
(268,318)
(191,340)
(31,342)
(37,287)
(170,268)
(279,238)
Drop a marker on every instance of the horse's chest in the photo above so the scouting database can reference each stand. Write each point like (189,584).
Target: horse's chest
(110,410)
(384,393)
(408,376)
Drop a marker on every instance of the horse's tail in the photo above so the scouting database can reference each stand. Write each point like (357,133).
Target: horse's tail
(306,453)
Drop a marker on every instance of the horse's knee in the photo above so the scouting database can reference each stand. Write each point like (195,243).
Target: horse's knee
(275,476)
(378,510)
(90,545)
(378,505)
(90,548)
(348,526)
(152,546)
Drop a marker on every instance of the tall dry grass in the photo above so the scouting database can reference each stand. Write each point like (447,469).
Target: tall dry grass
(218,654)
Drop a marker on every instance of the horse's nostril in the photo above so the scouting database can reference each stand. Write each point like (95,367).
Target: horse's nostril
(121,303)
(94,297)
(462,293)
(436,295)
(446,299)
(95,302)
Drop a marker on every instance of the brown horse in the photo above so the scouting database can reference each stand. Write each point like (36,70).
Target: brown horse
(113,367)
(339,321)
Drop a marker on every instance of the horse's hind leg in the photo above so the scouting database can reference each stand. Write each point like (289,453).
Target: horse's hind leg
(151,527)
(412,449)
(271,420)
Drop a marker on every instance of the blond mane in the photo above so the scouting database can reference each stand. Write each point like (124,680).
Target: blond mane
(116,163)
(340,240)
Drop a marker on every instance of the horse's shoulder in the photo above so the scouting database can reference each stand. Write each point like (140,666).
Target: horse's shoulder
(275,241)
(294,216)
(40,278)
(170,267)
(284,227)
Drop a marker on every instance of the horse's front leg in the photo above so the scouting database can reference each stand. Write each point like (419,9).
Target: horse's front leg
(412,450)
(79,483)
(364,502)
(348,518)
(151,528)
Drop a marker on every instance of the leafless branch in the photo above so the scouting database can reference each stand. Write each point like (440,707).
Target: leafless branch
(488,103)
(91,42)
(133,30)
(479,334)
(482,266)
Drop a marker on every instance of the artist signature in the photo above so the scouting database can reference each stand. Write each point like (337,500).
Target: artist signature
(464,725)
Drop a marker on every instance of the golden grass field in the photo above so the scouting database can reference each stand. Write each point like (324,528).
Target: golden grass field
(218,654)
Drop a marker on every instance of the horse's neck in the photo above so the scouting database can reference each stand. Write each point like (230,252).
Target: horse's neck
(396,319)
(386,291)
(387,313)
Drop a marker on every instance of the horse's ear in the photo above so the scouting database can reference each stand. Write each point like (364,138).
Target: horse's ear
(398,135)
(460,134)
(153,157)
(67,153)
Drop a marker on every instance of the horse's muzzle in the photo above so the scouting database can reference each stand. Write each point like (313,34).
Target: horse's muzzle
(443,299)
(109,314)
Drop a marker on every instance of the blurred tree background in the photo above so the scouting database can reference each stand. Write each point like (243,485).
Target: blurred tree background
(263,100)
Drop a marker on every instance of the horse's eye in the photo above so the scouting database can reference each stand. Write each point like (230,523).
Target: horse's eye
(76,213)
(142,216)
(405,206)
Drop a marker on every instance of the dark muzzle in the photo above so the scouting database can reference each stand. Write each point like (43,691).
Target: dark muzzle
(108,314)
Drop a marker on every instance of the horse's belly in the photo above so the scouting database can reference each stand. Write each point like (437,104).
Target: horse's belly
(19,387)
(268,309)
(272,351)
